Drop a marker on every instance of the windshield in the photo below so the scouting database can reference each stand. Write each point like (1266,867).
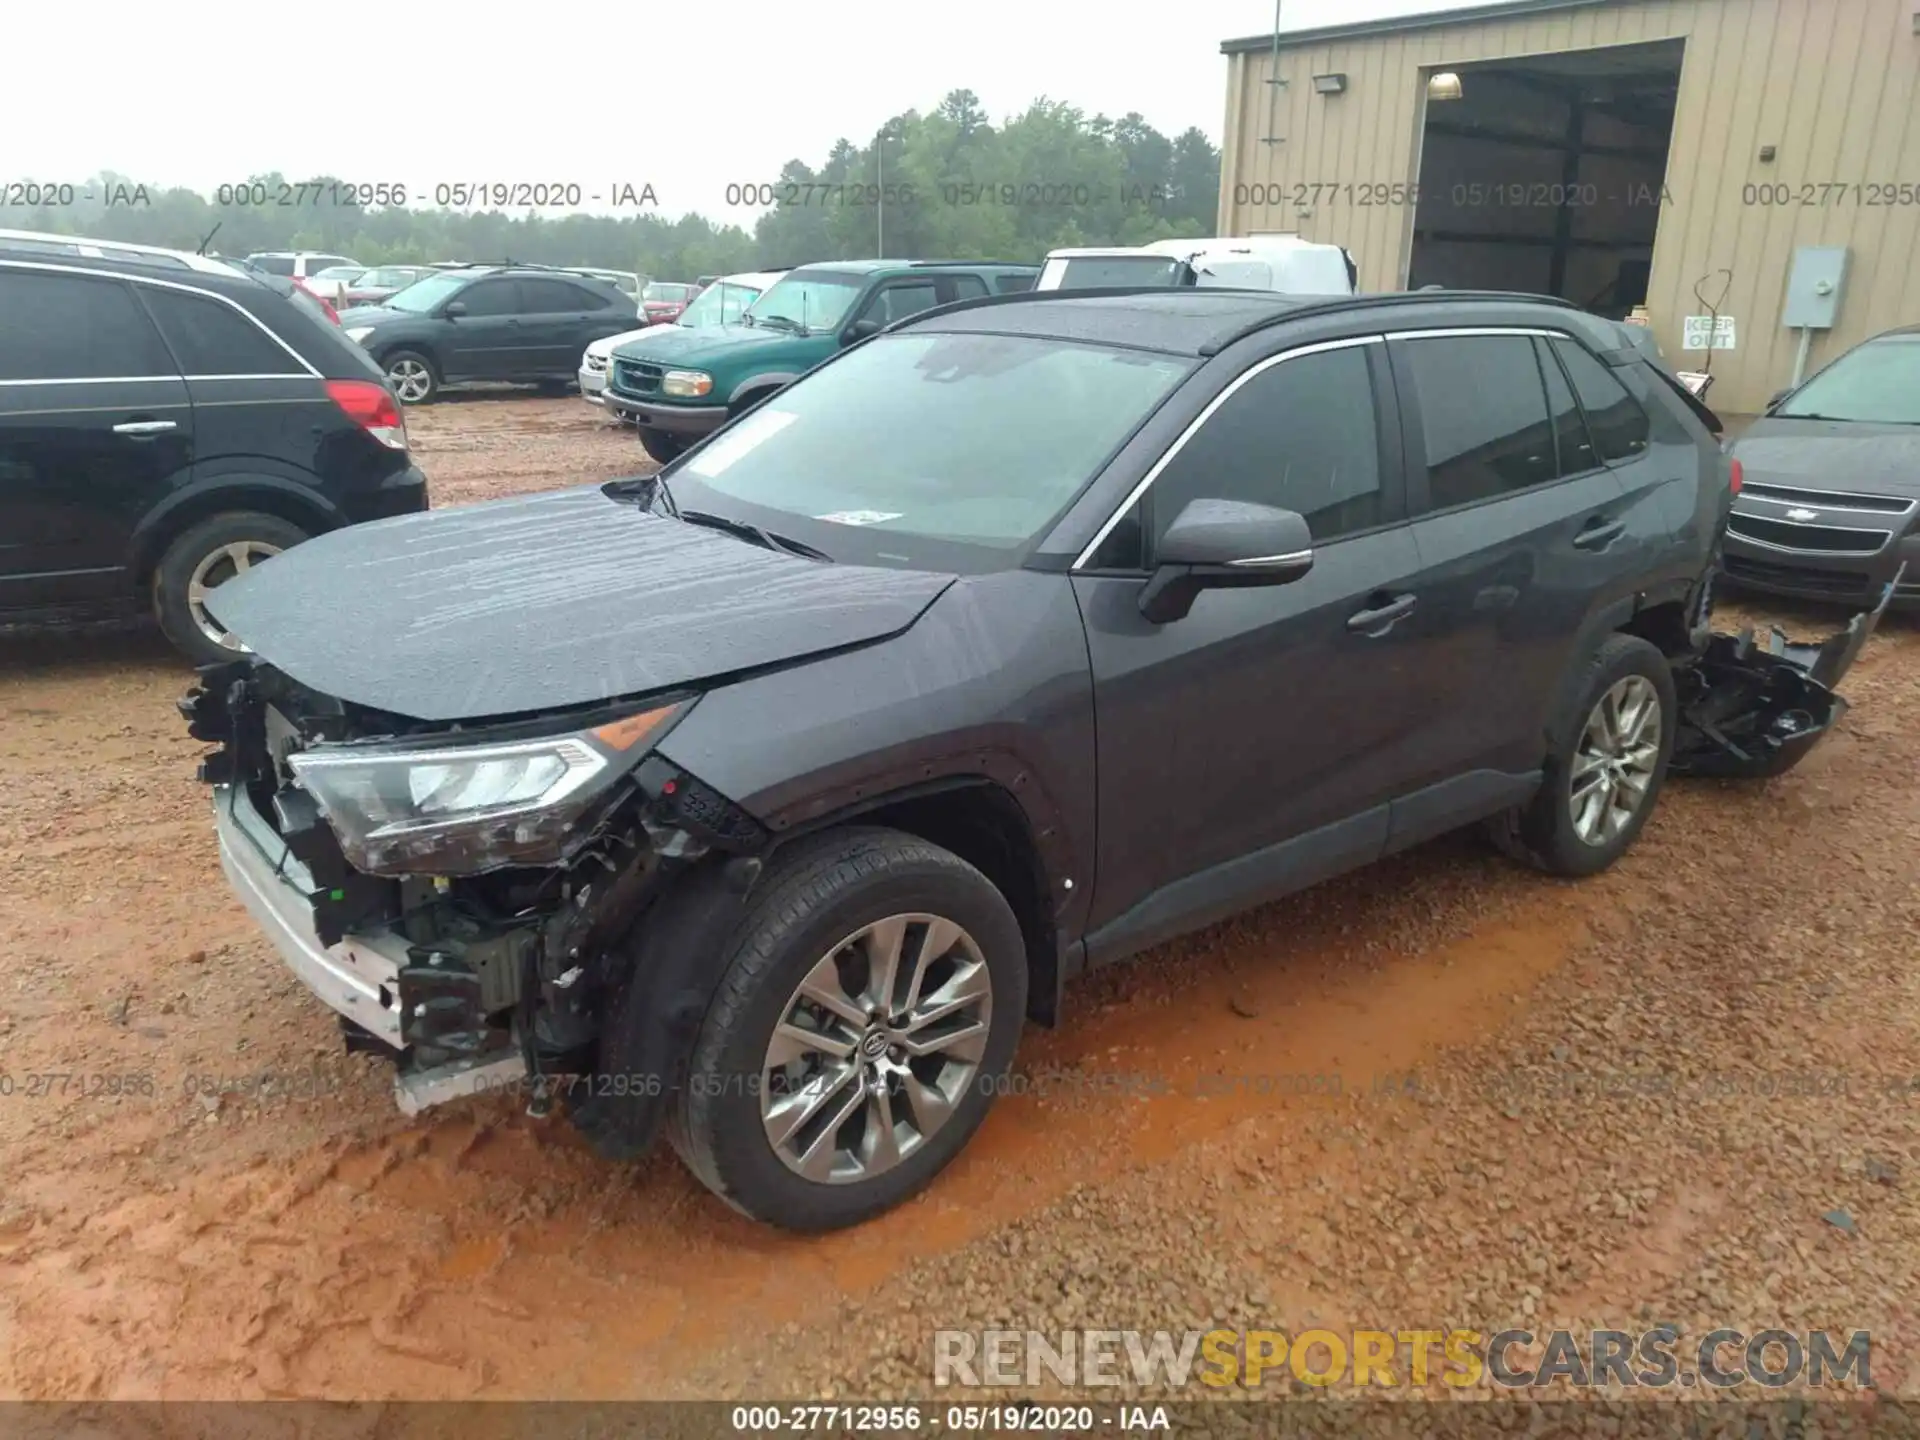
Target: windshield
(1878,382)
(812,302)
(920,450)
(718,304)
(665,294)
(1086,271)
(423,295)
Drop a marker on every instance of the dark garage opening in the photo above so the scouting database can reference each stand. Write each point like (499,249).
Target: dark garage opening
(1547,175)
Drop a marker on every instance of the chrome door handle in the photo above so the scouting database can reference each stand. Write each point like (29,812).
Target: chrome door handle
(144,427)
(1599,534)
(1377,620)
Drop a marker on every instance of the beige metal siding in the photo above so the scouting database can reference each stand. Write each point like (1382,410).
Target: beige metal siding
(1830,83)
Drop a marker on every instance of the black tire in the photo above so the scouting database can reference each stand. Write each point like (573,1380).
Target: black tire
(662,447)
(173,575)
(811,896)
(1542,833)
(429,375)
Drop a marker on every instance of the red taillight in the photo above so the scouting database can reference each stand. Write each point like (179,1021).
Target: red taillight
(372,407)
(1733,476)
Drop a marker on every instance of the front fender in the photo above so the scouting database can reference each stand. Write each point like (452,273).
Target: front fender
(767,380)
(992,683)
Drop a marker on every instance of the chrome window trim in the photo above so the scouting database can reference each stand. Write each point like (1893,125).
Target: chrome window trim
(8,262)
(1193,428)
(149,379)
(1464,331)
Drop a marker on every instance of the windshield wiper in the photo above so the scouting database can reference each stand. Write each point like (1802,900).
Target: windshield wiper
(746,531)
(781,322)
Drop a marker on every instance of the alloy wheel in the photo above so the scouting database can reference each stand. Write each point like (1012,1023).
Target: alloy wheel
(215,569)
(875,1048)
(1614,763)
(411,380)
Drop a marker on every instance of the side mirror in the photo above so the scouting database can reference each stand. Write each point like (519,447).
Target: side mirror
(1224,545)
(860,330)
(454,309)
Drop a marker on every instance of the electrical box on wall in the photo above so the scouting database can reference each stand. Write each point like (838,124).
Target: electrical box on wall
(1814,287)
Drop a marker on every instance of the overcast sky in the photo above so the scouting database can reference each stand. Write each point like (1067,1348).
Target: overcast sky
(194,94)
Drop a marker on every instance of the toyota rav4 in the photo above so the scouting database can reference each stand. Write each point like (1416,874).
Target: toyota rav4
(770,795)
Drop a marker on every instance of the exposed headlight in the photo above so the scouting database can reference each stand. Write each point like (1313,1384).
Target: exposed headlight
(466,809)
(686,382)
(357,333)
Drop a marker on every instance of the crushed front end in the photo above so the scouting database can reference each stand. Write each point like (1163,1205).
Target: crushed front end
(463,898)
(1753,707)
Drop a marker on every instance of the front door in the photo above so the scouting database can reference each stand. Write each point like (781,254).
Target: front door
(1254,746)
(95,427)
(487,341)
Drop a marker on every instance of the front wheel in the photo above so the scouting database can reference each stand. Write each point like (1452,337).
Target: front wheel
(1604,775)
(867,1017)
(659,445)
(412,376)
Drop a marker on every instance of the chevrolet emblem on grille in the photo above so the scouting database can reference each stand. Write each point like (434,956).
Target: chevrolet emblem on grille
(1803,516)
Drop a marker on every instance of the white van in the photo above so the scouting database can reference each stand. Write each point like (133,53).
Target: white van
(1261,262)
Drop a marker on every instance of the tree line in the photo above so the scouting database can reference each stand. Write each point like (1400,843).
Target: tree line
(947,184)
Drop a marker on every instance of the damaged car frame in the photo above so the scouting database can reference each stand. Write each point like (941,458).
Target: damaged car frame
(762,801)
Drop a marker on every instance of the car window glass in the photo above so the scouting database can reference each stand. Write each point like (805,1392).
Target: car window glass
(1301,435)
(1875,383)
(1483,408)
(70,327)
(1618,423)
(1012,284)
(212,338)
(329,262)
(1570,438)
(1125,545)
(896,302)
(491,297)
(968,287)
(272,264)
(550,297)
(585,299)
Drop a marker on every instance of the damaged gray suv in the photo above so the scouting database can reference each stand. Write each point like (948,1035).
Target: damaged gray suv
(763,801)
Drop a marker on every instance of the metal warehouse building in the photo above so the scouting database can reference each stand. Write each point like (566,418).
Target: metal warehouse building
(1748,170)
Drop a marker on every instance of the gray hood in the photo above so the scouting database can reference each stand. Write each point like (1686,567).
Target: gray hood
(1841,455)
(547,602)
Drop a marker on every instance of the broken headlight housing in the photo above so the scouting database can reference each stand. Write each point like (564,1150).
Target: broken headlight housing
(464,809)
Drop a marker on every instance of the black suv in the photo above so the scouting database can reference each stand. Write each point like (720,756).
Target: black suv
(524,323)
(1021,636)
(167,421)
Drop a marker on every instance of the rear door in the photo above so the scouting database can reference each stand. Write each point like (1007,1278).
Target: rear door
(1518,526)
(487,341)
(95,429)
(1254,745)
(560,320)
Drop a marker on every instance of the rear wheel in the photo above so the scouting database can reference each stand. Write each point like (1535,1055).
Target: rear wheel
(202,559)
(1604,777)
(869,1011)
(661,446)
(412,376)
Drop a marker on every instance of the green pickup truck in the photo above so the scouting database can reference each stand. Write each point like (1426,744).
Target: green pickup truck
(679,386)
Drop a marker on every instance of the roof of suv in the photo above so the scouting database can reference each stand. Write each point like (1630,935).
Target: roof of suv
(868,267)
(45,245)
(1200,322)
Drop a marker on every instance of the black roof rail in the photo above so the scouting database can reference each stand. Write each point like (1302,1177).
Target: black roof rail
(1319,306)
(1391,300)
(995,264)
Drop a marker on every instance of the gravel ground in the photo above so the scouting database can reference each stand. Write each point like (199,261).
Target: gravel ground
(1624,1102)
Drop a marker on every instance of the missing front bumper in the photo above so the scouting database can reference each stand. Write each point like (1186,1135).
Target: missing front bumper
(1752,708)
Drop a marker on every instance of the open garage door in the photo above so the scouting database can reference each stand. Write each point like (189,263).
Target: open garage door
(1547,175)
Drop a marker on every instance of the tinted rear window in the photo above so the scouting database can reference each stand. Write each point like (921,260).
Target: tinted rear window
(272,264)
(210,337)
(73,327)
(1619,425)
